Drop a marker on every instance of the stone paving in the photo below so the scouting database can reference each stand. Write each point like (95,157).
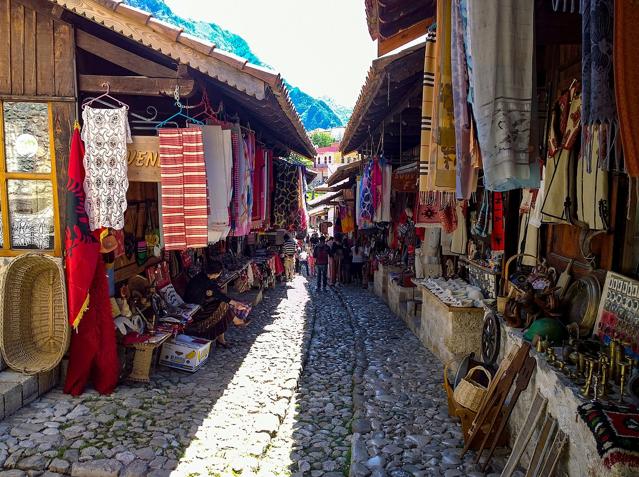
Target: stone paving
(320,384)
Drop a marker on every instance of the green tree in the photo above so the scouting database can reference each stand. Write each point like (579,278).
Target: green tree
(321,139)
(298,159)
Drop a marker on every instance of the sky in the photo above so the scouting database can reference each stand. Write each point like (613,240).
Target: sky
(321,46)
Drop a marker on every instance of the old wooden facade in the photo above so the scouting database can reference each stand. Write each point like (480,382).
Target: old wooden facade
(60,53)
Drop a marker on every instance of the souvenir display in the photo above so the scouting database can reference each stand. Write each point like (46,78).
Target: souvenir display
(455,292)
(618,315)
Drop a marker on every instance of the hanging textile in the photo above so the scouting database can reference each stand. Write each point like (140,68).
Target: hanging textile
(387,178)
(219,163)
(367,208)
(286,200)
(257,217)
(467,174)
(243,156)
(249,152)
(592,191)
(559,175)
(428,210)
(626,75)
(497,235)
(358,204)
(184,188)
(105,134)
(81,246)
(443,146)
(460,234)
(240,211)
(93,353)
(428,97)
(529,223)
(501,44)
(598,114)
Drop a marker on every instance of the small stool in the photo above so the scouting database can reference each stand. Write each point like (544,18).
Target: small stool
(143,357)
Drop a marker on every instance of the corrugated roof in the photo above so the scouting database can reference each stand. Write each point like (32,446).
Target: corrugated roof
(142,27)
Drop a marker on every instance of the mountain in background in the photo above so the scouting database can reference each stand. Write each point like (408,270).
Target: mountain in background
(343,112)
(315,113)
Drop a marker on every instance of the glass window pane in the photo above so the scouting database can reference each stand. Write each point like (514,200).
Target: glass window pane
(26,137)
(1,230)
(31,214)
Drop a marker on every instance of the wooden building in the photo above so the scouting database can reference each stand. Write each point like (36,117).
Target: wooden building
(60,53)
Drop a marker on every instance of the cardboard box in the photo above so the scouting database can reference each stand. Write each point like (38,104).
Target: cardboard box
(185,352)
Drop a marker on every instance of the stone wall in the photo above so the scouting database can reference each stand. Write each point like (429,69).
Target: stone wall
(580,458)
(450,332)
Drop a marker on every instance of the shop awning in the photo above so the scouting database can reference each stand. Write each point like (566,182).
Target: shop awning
(391,97)
(345,184)
(344,172)
(325,199)
(261,92)
(394,23)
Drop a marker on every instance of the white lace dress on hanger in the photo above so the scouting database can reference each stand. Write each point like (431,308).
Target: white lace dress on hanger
(105,134)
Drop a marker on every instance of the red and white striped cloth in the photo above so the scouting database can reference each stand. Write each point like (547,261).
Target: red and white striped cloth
(183,174)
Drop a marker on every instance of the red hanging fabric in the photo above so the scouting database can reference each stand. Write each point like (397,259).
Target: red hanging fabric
(93,353)
(497,237)
(81,246)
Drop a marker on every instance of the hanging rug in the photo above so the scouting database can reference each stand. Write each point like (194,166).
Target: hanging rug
(616,432)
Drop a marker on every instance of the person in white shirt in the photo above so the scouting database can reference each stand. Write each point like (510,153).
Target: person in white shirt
(359,258)
(302,259)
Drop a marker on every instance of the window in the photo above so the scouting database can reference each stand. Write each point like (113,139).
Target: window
(28,198)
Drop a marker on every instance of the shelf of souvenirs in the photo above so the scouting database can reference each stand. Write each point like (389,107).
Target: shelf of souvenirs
(594,371)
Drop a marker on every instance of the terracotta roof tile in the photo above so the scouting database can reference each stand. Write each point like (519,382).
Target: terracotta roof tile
(229,58)
(133,13)
(198,44)
(112,4)
(165,28)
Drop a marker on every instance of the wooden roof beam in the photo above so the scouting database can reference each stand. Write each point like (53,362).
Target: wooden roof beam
(121,57)
(136,85)
(386,45)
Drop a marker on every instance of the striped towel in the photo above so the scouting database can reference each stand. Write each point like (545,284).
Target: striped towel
(183,179)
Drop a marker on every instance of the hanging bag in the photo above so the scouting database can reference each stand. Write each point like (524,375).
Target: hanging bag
(130,244)
(141,255)
(151,235)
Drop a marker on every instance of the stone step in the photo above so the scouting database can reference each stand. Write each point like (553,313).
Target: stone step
(18,390)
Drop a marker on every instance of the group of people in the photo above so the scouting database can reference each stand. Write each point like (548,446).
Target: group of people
(334,260)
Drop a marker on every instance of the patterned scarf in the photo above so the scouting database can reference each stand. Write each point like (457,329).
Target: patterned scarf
(443,156)
(598,112)
(501,43)
(467,174)
(428,95)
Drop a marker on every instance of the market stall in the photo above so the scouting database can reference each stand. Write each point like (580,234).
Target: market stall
(524,252)
(141,155)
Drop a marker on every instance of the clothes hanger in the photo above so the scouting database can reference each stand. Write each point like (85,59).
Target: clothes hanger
(179,114)
(105,95)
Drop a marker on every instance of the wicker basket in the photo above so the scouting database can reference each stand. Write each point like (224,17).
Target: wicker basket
(469,393)
(34,328)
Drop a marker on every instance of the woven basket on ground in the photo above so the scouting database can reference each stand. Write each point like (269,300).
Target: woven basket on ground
(469,393)
(34,329)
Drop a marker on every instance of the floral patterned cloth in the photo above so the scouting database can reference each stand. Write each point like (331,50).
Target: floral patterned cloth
(105,134)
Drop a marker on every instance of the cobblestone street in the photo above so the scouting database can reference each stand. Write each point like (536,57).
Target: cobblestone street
(320,384)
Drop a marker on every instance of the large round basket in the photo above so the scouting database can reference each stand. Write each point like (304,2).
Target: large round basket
(34,331)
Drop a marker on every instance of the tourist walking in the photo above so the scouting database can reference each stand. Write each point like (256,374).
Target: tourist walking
(289,249)
(321,255)
(302,260)
(357,263)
